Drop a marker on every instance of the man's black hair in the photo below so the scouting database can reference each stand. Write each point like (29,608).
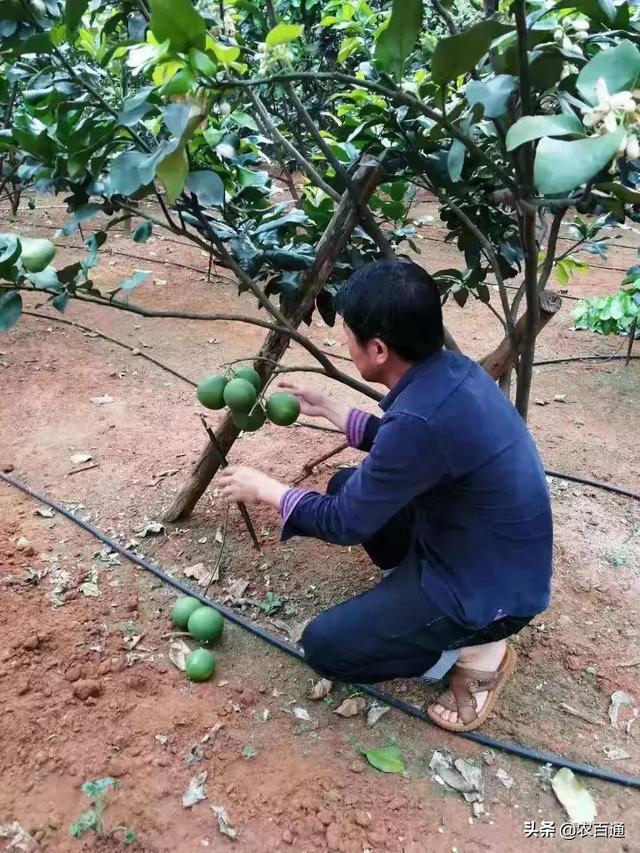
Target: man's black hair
(396,301)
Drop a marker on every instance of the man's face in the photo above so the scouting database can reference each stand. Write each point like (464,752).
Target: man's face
(370,358)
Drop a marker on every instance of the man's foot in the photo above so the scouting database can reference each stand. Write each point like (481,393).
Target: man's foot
(475,683)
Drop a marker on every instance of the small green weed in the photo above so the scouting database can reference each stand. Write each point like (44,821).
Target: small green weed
(93,818)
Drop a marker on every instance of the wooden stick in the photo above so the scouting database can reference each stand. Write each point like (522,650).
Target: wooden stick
(80,470)
(223,464)
(309,466)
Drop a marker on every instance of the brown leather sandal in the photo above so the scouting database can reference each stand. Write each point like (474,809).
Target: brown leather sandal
(464,683)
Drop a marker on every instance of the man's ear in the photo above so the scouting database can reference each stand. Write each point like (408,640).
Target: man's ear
(379,351)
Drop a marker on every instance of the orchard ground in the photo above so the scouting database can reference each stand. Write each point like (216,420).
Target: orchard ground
(78,702)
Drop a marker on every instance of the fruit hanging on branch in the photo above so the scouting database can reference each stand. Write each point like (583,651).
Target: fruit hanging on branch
(210,392)
(250,422)
(240,395)
(283,408)
(250,375)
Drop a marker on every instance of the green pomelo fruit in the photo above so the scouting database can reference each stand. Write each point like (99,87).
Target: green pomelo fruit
(182,610)
(250,375)
(251,422)
(205,625)
(200,665)
(240,396)
(36,254)
(283,408)
(210,392)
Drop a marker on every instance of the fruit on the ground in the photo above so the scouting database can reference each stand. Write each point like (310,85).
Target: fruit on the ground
(250,375)
(240,395)
(205,625)
(200,665)
(210,392)
(182,610)
(282,408)
(36,254)
(251,422)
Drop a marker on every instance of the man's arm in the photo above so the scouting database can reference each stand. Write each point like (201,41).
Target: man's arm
(404,462)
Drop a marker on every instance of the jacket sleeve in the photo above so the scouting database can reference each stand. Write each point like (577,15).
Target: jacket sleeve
(404,462)
(362,429)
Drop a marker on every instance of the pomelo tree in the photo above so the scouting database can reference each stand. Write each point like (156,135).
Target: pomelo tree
(193,118)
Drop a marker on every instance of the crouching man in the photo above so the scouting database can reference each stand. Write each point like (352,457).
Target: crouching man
(451,503)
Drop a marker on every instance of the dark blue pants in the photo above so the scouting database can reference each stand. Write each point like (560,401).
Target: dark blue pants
(392,630)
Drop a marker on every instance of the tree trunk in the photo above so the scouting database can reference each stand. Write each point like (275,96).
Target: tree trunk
(501,360)
(330,247)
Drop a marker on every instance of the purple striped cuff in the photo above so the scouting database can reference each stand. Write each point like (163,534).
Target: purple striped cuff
(356,424)
(290,501)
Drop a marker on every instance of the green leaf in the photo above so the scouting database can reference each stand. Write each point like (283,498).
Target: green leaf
(459,54)
(179,23)
(244,120)
(142,232)
(10,249)
(47,278)
(226,55)
(98,787)
(283,34)
(455,159)
(134,280)
(60,302)
(208,187)
(603,11)
(529,128)
(618,66)
(81,214)
(202,63)
(86,821)
(10,309)
(562,166)
(73,12)
(387,759)
(131,170)
(399,37)
(135,108)
(493,95)
(173,171)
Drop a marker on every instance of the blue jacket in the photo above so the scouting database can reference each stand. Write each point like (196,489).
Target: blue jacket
(452,448)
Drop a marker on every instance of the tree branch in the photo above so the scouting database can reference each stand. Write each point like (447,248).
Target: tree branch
(394,94)
(491,255)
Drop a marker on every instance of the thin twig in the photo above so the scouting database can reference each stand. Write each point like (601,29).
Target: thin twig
(215,574)
(632,337)
(309,466)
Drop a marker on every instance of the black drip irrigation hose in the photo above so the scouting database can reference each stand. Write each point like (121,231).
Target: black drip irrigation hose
(295,652)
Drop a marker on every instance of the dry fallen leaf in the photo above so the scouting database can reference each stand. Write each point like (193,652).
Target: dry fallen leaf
(577,801)
(81,458)
(351,707)
(101,401)
(195,791)
(178,651)
(223,821)
(44,512)
(302,714)
(152,528)
(376,712)
(198,572)
(321,689)
(619,699)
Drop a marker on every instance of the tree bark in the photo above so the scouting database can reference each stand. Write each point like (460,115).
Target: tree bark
(501,360)
(330,247)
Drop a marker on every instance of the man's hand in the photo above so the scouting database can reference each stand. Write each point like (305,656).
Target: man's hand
(316,404)
(246,485)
